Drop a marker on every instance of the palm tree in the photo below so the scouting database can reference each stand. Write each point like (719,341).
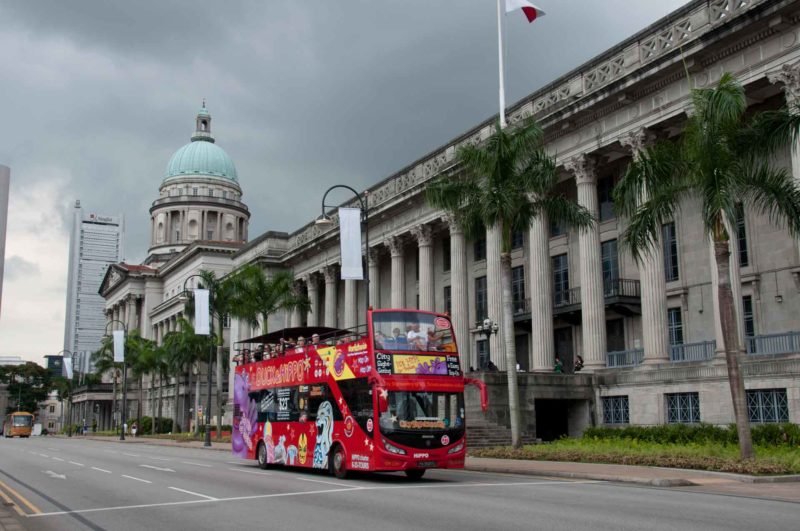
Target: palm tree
(137,356)
(103,361)
(258,296)
(506,183)
(722,160)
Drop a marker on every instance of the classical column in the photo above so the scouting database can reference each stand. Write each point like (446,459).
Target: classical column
(541,283)
(331,280)
(494,294)
(425,241)
(312,284)
(593,312)
(115,317)
(296,319)
(132,321)
(458,292)
(350,304)
(652,280)
(373,262)
(789,77)
(395,244)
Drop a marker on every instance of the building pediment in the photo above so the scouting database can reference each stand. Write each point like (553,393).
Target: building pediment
(118,274)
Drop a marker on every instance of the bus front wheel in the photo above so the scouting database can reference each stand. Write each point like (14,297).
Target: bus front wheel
(338,462)
(261,455)
(415,473)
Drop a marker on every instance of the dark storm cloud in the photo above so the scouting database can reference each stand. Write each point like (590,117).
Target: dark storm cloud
(303,95)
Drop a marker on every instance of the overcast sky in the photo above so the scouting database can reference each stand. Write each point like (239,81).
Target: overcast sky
(96,96)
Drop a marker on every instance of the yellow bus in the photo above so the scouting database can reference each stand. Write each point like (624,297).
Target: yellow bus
(18,424)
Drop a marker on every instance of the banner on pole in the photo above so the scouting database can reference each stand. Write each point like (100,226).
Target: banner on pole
(201,318)
(119,346)
(68,368)
(350,240)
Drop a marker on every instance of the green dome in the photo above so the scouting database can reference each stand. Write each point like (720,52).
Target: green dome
(201,157)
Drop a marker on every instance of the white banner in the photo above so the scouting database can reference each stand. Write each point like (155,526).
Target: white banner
(201,320)
(350,239)
(119,346)
(68,368)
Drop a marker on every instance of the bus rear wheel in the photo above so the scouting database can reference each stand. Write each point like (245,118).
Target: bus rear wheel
(338,463)
(261,455)
(415,473)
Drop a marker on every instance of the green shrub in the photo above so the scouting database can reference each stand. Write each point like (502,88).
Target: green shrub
(164,425)
(763,434)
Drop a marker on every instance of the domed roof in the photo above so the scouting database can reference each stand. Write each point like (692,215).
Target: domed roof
(200,157)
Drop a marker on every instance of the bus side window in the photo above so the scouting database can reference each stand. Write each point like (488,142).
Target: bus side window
(316,396)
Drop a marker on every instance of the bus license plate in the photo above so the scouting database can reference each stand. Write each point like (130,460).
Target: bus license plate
(426,464)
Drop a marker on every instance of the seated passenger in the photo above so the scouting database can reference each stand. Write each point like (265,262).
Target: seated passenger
(416,338)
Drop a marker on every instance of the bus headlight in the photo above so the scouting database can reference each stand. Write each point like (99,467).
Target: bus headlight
(392,448)
(456,448)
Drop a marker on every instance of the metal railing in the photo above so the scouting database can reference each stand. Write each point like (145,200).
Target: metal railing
(687,352)
(567,297)
(521,306)
(763,345)
(625,358)
(621,287)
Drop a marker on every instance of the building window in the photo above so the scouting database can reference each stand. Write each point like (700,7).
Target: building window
(224,194)
(517,238)
(226,321)
(446,254)
(481,310)
(615,410)
(50,425)
(479,250)
(669,239)
(448,300)
(561,279)
(683,408)
(741,236)
(518,289)
(194,191)
(610,260)
(605,189)
(749,321)
(210,234)
(557,229)
(177,235)
(675,326)
(767,405)
(52,409)
(483,352)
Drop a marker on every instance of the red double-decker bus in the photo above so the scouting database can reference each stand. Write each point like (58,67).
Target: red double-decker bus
(388,399)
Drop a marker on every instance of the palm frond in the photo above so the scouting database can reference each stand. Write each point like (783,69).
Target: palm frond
(768,132)
(773,192)
(645,224)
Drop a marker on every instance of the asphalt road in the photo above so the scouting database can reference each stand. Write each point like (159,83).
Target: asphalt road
(82,484)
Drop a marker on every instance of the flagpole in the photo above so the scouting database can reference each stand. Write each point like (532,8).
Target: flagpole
(500,63)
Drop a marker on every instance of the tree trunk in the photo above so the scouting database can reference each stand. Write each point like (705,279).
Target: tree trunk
(175,409)
(114,405)
(197,399)
(153,403)
(511,351)
(187,401)
(160,398)
(140,405)
(730,338)
(220,349)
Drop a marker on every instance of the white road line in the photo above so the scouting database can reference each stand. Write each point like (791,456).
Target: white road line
(45,455)
(195,494)
(240,462)
(52,449)
(243,471)
(157,468)
(326,482)
(57,459)
(307,493)
(137,479)
(195,464)
(131,455)
(74,463)
(101,470)
(158,458)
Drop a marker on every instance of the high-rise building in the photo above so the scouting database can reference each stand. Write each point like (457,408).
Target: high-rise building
(96,242)
(5,178)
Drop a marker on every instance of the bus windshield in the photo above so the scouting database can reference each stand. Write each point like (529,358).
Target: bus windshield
(22,420)
(421,332)
(423,411)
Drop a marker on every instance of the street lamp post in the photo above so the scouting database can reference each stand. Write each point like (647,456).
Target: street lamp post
(207,412)
(123,419)
(69,394)
(325,220)
(488,327)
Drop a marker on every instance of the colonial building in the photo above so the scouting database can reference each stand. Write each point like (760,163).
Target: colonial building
(648,332)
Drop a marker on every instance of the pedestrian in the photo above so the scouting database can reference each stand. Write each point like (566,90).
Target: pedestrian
(133,429)
(85,427)
(578,363)
(124,427)
(491,367)
(558,367)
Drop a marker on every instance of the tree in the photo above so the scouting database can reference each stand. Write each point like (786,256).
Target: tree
(28,386)
(505,184)
(722,160)
(103,361)
(139,356)
(258,296)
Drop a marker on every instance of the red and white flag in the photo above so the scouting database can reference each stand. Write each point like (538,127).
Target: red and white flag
(530,10)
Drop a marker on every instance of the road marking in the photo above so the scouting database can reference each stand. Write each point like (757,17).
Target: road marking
(52,449)
(326,482)
(101,470)
(137,479)
(53,474)
(210,498)
(9,502)
(45,455)
(159,458)
(74,463)
(158,468)
(240,462)
(307,493)
(58,459)
(243,471)
(131,455)
(195,464)
(21,498)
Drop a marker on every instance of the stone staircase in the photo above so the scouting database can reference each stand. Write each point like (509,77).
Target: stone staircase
(483,434)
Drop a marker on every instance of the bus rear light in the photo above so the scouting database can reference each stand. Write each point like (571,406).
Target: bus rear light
(392,448)
(456,448)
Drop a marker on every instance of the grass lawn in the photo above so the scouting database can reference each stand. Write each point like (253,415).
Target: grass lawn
(720,457)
